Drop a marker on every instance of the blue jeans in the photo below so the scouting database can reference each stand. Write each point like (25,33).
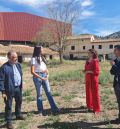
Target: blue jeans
(45,84)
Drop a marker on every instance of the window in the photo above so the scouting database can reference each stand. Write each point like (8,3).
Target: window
(93,47)
(99,46)
(83,47)
(111,46)
(72,47)
(51,57)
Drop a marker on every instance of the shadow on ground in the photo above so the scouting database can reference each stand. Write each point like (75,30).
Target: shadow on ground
(64,125)
(74,125)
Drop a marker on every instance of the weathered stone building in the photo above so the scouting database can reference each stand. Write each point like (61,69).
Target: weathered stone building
(77,46)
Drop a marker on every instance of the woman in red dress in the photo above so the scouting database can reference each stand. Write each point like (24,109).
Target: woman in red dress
(91,79)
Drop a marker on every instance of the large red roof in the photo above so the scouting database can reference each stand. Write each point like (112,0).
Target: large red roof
(20,26)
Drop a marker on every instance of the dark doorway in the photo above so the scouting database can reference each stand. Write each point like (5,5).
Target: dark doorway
(51,57)
(106,57)
(71,57)
(20,59)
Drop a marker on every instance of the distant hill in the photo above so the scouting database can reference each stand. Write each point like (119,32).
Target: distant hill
(113,36)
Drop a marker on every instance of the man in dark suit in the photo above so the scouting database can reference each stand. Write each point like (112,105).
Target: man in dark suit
(115,70)
(11,87)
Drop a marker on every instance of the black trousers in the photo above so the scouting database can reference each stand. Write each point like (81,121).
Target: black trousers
(117,93)
(8,104)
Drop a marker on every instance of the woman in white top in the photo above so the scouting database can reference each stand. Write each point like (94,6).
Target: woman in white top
(40,78)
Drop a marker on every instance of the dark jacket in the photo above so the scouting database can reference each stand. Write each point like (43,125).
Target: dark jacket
(7,78)
(115,70)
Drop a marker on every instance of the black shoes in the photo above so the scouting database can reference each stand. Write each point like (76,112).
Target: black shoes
(56,112)
(9,126)
(90,111)
(42,113)
(21,117)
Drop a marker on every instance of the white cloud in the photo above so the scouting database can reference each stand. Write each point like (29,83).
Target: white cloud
(37,3)
(86,3)
(86,14)
(86,10)
(32,3)
(5,9)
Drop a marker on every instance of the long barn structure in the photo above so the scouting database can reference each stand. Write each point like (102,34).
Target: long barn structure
(21,27)
(18,29)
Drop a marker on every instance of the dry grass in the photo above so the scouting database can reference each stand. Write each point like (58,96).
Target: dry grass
(70,96)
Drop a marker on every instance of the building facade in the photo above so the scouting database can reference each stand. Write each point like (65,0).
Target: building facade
(77,47)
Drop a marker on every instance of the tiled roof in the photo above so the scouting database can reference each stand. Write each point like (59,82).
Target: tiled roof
(24,49)
(82,36)
(106,41)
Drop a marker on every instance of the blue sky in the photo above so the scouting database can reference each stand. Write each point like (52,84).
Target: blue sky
(100,17)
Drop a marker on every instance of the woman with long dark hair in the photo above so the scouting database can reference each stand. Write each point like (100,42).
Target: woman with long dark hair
(40,78)
(91,80)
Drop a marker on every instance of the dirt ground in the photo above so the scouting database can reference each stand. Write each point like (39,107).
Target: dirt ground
(70,97)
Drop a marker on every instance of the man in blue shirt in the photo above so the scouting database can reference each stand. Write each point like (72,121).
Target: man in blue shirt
(11,87)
